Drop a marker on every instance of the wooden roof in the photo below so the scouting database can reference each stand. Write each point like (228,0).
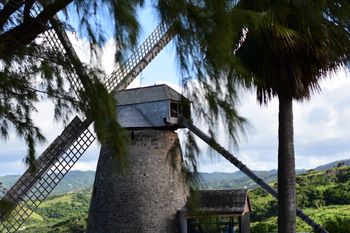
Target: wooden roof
(148,94)
(222,202)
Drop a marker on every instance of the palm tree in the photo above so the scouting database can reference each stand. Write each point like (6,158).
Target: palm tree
(281,47)
(297,46)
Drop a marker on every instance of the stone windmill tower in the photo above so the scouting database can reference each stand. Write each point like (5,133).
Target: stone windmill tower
(148,197)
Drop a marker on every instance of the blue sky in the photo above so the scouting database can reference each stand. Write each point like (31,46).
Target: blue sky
(322,128)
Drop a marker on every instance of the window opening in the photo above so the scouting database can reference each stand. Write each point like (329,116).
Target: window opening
(175,109)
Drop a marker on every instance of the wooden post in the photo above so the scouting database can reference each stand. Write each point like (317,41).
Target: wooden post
(244,223)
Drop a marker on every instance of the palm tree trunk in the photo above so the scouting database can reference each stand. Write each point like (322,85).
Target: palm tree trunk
(286,167)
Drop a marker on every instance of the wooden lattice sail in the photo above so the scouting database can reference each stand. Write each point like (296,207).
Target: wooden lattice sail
(3,189)
(50,167)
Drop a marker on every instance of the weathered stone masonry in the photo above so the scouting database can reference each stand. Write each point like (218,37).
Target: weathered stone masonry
(148,197)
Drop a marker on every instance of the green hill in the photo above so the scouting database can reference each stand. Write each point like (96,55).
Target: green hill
(66,213)
(324,195)
(343,163)
(79,180)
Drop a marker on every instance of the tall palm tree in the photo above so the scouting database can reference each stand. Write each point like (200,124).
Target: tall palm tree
(299,44)
(281,47)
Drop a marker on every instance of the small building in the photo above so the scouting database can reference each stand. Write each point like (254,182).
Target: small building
(224,211)
(151,107)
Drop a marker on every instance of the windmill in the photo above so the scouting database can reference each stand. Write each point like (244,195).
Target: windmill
(60,156)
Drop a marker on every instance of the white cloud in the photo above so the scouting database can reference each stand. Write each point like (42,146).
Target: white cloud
(106,54)
(321,128)
(85,166)
(223,166)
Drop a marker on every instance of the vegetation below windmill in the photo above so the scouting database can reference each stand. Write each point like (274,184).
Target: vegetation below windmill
(66,213)
(323,195)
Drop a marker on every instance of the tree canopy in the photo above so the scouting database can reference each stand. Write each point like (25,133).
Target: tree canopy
(31,70)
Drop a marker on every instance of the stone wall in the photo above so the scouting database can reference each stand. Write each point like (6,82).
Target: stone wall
(148,197)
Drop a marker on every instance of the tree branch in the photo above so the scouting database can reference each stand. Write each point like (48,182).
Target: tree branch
(28,5)
(32,90)
(24,33)
(8,10)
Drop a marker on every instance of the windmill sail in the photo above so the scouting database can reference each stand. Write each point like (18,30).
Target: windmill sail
(242,167)
(3,189)
(53,38)
(132,67)
(30,190)
(52,165)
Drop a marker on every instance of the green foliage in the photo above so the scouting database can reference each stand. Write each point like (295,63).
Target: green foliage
(342,175)
(264,227)
(75,224)
(100,106)
(338,195)
(225,44)
(21,89)
(66,213)
(337,225)
(310,197)
(332,218)
(262,212)
(65,207)
(281,47)
(5,207)
(321,194)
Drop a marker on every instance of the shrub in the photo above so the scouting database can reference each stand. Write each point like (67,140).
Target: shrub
(337,225)
(338,195)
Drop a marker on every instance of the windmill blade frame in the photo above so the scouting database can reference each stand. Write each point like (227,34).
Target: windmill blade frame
(51,166)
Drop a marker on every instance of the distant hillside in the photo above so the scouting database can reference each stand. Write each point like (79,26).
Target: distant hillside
(73,181)
(339,163)
(236,180)
(81,180)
